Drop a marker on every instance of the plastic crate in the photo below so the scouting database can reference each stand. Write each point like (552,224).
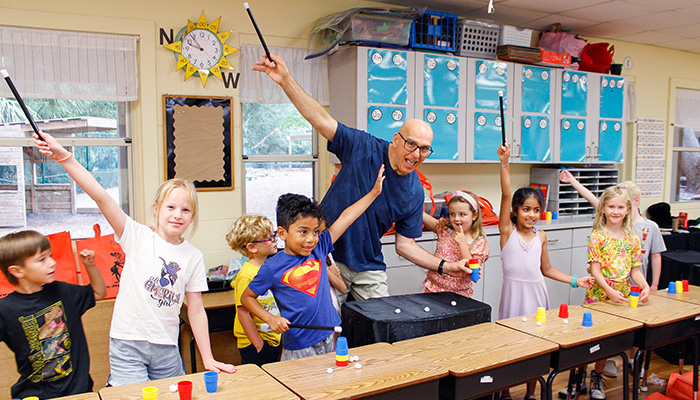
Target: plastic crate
(477,39)
(434,31)
(512,35)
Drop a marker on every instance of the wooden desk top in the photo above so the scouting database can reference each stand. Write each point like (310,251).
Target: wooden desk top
(572,334)
(249,382)
(655,312)
(222,299)
(82,396)
(476,348)
(691,296)
(384,368)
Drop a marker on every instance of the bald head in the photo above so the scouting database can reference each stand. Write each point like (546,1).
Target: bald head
(417,130)
(414,132)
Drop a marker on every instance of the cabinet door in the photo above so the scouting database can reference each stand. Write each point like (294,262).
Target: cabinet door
(534,139)
(441,83)
(611,97)
(487,135)
(579,266)
(574,93)
(491,77)
(536,94)
(445,123)
(559,291)
(384,121)
(610,141)
(491,284)
(572,139)
(387,77)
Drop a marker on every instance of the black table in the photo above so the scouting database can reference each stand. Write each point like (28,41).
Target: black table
(680,265)
(376,320)
(683,241)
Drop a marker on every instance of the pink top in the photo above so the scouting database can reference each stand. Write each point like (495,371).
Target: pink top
(448,249)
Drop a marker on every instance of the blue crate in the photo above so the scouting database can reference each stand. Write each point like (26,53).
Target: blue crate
(434,30)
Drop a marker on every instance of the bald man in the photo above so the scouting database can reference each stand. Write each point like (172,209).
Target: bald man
(358,251)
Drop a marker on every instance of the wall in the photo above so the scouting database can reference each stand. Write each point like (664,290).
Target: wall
(284,23)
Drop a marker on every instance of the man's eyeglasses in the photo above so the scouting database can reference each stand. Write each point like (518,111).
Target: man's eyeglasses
(272,238)
(411,146)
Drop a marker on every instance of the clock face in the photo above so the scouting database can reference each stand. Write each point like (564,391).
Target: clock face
(202,48)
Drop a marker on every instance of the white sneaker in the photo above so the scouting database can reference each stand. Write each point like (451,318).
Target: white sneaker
(610,369)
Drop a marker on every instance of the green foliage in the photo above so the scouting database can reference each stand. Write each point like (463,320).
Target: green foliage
(266,127)
(40,109)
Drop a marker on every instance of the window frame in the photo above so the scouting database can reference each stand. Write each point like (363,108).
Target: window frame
(672,154)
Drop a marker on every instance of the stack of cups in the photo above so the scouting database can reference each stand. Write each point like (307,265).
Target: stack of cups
(634,296)
(541,316)
(341,352)
(474,266)
(672,287)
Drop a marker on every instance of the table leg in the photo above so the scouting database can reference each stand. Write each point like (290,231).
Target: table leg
(636,369)
(550,382)
(625,376)
(193,356)
(543,386)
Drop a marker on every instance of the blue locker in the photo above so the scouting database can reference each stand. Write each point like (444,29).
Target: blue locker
(572,136)
(610,141)
(441,81)
(445,140)
(574,93)
(534,139)
(487,135)
(384,121)
(536,92)
(611,97)
(387,77)
(491,77)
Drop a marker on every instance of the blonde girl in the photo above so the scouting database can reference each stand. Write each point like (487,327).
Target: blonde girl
(458,237)
(161,270)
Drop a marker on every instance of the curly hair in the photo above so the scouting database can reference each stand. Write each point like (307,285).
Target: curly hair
(292,207)
(16,247)
(247,229)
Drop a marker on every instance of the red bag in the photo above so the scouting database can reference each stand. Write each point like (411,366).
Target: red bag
(425,182)
(62,252)
(109,258)
(488,217)
(596,57)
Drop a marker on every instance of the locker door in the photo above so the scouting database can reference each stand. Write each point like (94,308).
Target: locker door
(491,77)
(610,141)
(611,97)
(387,77)
(487,135)
(536,93)
(572,136)
(535,139)
(574,93)
(384,121)
(445,141)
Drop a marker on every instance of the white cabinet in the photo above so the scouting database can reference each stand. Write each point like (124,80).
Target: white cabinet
(403,276)
(579,261)
(533,138)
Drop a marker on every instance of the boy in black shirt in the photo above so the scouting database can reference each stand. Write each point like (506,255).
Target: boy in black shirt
(40,320)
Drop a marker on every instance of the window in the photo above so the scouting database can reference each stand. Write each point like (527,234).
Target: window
(685,184)
(279,156)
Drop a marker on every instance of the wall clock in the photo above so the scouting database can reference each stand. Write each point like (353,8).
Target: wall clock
(201,49)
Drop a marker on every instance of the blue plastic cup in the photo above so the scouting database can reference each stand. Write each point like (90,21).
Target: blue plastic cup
(587,319)
(475,274)
(672,287)
(211,381)
(555,215)
(341,346)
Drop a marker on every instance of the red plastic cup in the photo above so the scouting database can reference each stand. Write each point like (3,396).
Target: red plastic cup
(564,311)
(685,285)
(634,289)
(184,389)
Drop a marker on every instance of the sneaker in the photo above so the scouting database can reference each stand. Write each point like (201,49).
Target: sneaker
(641,371)
(597,391)
(562,393)
(610,369)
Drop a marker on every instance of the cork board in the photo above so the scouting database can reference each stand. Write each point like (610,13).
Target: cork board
(198,140)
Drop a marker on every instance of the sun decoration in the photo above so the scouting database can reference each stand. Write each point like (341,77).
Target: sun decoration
(201,49)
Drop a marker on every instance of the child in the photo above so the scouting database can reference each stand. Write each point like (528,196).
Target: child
(614,255)
(253,237)
(524,254)
(649,236)
(298,276)
(40,320)
(161,268)
(459,237)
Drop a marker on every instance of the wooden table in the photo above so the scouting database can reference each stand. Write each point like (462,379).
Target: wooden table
(249,382)
(579,345)
(666,320)
(82,396)
(483,358)
(386,372)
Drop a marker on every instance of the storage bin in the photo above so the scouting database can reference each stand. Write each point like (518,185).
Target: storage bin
(378,29)
(512,35)
(477,39)
(434,31)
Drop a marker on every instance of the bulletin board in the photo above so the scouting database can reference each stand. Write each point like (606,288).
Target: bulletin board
(198,140)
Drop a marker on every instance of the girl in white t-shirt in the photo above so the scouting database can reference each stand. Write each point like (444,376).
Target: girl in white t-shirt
(161,270)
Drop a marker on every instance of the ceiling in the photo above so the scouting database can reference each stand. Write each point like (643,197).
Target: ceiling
(673,24)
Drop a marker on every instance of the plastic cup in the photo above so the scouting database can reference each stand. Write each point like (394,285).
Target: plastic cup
(149,393)
(184,389)
(474,266)
(211,381)
(548,217)
(341,346)
(543,216)
(634,301)
(672,287)
(555,215)
(633,290)
(563,311)
(29,398)
(685,285)
(587,319)
(541,315)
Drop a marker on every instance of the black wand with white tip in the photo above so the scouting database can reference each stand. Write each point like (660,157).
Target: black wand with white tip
(503,119)
(6,75)
(257,30)
(317,327)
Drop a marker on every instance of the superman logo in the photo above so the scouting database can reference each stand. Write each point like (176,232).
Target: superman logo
(305,277)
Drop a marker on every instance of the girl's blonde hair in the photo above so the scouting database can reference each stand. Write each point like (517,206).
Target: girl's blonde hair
(631,188)
(164,191)
(476,230)
(247,229)
(601,219)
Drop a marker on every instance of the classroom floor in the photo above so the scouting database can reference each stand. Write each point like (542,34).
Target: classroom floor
(613,386)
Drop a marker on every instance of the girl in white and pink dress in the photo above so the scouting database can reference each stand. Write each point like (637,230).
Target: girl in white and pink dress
(458,237)
(524,254)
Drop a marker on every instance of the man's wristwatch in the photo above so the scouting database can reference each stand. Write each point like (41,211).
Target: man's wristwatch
(442,262)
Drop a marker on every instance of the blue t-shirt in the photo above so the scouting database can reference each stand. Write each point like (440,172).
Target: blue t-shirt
(400,202)
(300,286)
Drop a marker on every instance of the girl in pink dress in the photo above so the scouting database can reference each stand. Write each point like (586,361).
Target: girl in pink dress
(524,254)
(458,237)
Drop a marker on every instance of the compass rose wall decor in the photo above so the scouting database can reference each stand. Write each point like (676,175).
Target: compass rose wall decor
(200,49)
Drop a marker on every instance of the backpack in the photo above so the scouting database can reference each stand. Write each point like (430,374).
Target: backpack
(488,217)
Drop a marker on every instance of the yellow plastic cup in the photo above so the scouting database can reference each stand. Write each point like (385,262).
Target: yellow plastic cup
(541,315)
(149,393)
(679,286)
(31,398)
(634,301)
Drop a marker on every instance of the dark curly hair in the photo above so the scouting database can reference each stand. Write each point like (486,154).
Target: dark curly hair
(292,207)
(519,198)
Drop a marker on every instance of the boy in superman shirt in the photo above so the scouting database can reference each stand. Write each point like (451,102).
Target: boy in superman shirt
(298,277)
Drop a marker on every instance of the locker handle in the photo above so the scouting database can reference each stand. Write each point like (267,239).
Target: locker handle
(552,241)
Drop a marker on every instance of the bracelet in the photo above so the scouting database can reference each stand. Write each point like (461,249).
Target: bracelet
(439,271)
(503,166)
(573,282)
(65,158)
